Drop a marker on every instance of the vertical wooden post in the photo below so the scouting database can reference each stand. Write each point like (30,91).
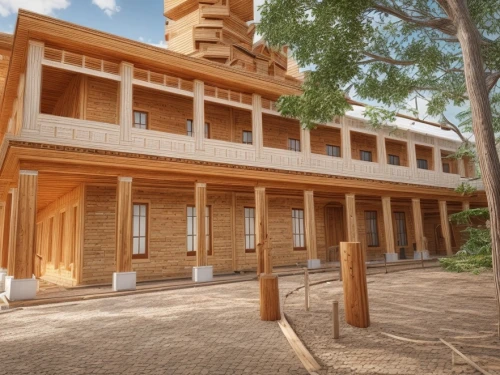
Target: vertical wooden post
(389,230)
(124,225)
(2,224)
(436,156)
(199,114)
(412,154)
(306,288)
(305,143)
(461,167)
(201,240)
(6,231)
(381,150)
(233,231)
(352,226)
(126,100)
(257,130)
(25,223)
(14,193)
(310,228)
(335,318)
(465,205)
(261,234)
(33,89)
(417,222)
(445,226)
(346,143)
(355,288)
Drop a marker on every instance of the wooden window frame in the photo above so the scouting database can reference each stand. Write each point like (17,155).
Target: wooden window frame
(207,130)
(394,157)
(333,147)
(189,120)
(299,248)
(426,164)
(377,244)
(142,111)
(295,142)
(362,152)
(210,227)
(148,214)
(245,230)
(243,137)
(396,213)
(448,167)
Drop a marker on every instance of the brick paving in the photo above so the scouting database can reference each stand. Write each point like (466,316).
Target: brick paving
(421,305)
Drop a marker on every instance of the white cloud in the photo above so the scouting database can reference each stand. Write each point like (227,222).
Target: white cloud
(160,44)
(8,7)
(108,6)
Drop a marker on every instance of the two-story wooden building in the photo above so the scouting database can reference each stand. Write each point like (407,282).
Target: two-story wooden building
(120,160)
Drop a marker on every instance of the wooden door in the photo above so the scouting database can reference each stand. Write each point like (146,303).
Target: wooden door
(335,233)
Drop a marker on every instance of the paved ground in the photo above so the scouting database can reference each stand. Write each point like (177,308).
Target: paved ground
(422,305)
(209,330)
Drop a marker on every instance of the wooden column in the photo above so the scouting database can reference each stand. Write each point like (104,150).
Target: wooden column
(257,130)
(264,261)
(352,225)
(14,193)
(126,100)
(199,114)
(417,221)
(23,216)
(465,205)
(124,225)
(381,150)
(436,156)
(346,144)
(310,225)
(305,143)
(2,224)
(412,154)
(389,231)
(33,89)
(461,167)
(4,263)
(445,226)
(201,241)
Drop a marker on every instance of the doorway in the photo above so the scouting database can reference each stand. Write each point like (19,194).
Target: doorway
(335,233)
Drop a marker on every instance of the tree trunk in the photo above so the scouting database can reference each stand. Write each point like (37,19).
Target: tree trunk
(482,122)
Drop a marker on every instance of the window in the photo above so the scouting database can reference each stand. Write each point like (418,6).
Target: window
(192,230)
(293,144)
(446,167)
(207,130)
(371,228)
(365,155)
(247,137)
(298,229)
(189,128)
(139,231)
(422,164)
(394,160)
(401,236)
(140,120)
(249,229)
(333,150)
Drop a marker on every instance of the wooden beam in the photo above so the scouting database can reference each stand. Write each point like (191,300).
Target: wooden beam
(352,225)
(6,231)
(126,100)
(33,89)
(445,226)
(261,230)
(417,221)
(201,204)
(199,114)
(389,231)
(124,225)
(13,192)
(257,130)
(310,225)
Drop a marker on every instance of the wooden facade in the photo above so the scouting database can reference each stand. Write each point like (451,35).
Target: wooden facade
(93,124)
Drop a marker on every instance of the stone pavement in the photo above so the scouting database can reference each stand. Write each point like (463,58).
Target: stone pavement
(420,305)
(210,330)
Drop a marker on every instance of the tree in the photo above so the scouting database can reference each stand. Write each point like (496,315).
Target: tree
(391,50)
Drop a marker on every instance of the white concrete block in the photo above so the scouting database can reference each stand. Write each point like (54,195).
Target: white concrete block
(203,274)
(124,281)
(416,254)
(20,289)
(313,263)
(3,275)
(391,257)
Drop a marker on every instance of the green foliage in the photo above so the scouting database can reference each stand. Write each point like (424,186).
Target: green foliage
(465,217)
(467,263)
(465,189)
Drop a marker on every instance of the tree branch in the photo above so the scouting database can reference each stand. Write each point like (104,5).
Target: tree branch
(387,60)
(491,80)
(455,128)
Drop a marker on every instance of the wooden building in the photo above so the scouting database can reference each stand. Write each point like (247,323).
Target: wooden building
(124,161)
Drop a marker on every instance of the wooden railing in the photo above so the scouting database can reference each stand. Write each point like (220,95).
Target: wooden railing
(81,61)
(162,79)
(228,95)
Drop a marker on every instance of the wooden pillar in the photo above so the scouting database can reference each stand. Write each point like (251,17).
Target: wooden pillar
(257,130)
(199,114)
(445,226)
(14,193)
(346,144)
(310,225)
(461,167)
(4,263)
(264,261)
(352,226)
(436,156)
(465,205)
(417,221)
(201,241)
(305,143)
(126,100)
(389,231)
(381,150)
(124,224)
(33,89)
(412,154)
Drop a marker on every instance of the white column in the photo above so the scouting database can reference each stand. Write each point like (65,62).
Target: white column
(436,156)
(346,142)
(381,152)
(412,155)
(199,114)
(257,131)
(126,100)
(305,143)
(33,89)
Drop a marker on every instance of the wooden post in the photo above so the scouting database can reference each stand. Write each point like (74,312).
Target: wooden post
(352,226)
(417,221)
(445,226)
(269,298)
(310,225)
(461,167)
(124,225)
(6,231)
(422,259)
(33,89)
(346,143)
(126,100)
(257,130)
(261,234)
(305,143)
(24,219)
(381,151)
(14,193)
(199,114)
(201,241)
(465,205)
(389,231)
(385,262)
(3,206)
(355,287)
(436,157)
(306,288)
(336,320)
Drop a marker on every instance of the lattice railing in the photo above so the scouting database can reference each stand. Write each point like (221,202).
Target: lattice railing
(229,95)
(162,79)
(82,61)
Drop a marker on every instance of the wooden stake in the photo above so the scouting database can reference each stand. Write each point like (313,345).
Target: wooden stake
(385,262)
(336,323)
(306,288)
(269,298)
(422,258)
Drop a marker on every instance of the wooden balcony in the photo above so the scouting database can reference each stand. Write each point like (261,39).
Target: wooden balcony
(214,11)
